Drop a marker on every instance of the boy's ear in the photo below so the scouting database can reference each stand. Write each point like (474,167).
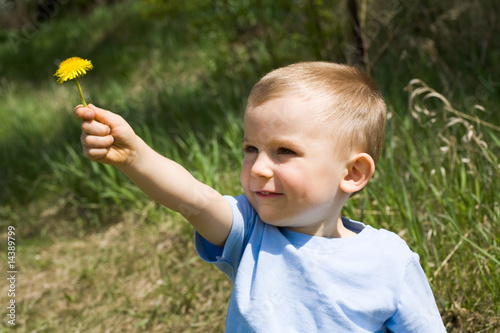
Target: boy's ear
(360,169)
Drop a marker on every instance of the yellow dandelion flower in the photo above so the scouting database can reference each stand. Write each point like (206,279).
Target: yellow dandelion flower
(72,69)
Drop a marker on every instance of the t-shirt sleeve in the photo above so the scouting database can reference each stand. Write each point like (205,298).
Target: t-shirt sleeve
(417,310)
(227,258)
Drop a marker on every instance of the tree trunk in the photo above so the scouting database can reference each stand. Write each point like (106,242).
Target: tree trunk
(359,50)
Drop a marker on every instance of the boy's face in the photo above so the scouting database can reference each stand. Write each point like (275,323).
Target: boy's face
(291,168)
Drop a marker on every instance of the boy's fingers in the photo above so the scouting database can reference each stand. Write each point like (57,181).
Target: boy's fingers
(83,113)
(93,141)
(95,128)
(95,154)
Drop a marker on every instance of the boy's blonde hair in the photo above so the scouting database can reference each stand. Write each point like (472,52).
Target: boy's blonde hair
(347,99)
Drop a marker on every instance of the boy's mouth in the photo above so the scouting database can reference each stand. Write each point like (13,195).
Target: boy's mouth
(267,194)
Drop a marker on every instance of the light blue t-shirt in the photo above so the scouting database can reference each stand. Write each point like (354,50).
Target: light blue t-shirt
(284,281)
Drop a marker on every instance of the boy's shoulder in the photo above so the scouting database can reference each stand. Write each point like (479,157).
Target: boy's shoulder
(393,239)
(381,234)
(240,201)
(380,242)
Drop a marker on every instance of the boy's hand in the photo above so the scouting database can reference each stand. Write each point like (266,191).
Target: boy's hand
(106,137)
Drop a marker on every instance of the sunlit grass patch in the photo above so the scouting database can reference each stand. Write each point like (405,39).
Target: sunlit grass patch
(136,274)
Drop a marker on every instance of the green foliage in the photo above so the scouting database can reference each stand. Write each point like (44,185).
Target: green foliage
(179,72)
(442,195)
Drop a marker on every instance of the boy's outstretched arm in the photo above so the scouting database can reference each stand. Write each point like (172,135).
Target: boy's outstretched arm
(110,139)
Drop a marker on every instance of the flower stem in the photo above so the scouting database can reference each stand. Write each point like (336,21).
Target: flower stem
(81,93)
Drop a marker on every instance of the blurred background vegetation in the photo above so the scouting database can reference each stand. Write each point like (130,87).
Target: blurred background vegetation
(94,254)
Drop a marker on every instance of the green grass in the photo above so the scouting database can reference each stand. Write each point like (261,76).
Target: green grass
(94,253)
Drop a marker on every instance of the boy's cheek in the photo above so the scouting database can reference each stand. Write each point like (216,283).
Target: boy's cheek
(245,183)
(245,172)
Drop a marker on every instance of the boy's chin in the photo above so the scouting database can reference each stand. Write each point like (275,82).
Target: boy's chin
(273,220)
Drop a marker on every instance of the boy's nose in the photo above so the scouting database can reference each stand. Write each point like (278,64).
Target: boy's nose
(262,166)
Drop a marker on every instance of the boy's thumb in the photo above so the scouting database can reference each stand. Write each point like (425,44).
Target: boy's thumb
(105,116)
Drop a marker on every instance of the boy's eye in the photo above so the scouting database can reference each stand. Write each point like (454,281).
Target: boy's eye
(250,149)
(285,151)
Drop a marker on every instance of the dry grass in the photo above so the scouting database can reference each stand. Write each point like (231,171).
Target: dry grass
(131,276)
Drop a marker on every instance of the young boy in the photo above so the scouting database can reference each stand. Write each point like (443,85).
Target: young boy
(312,134)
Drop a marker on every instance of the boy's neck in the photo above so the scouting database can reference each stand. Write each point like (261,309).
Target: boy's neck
(333,230)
